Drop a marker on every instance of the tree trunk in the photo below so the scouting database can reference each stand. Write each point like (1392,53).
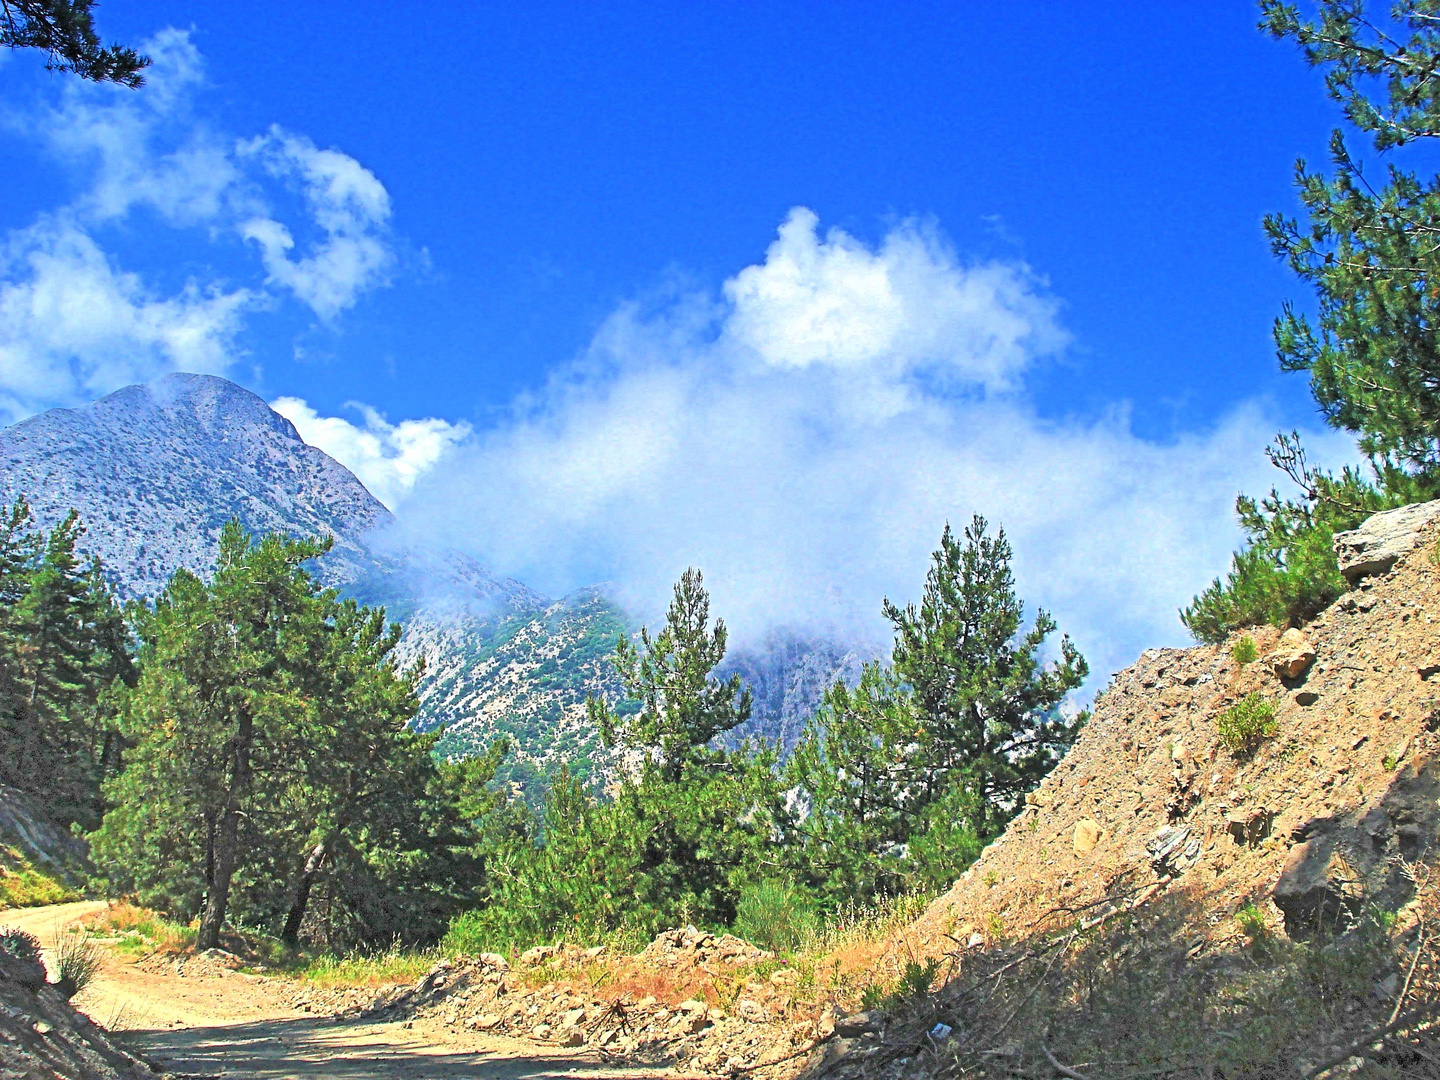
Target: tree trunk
(291,934)
(227,839)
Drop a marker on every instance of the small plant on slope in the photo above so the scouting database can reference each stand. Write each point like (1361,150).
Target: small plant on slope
(79,959)
(1244,651)
(1247,723)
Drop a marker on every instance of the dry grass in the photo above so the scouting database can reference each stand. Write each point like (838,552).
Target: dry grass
(134,929)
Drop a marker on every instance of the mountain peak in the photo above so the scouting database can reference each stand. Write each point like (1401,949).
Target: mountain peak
(156,471)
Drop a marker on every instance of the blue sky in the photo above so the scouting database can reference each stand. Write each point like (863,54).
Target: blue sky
(596,291)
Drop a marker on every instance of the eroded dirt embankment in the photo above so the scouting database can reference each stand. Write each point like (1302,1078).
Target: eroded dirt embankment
(1329,818)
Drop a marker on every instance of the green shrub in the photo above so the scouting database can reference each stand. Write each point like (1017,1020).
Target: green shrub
(1246,723)
(78,958)
(1251,920)
(1243,651)
(776,916)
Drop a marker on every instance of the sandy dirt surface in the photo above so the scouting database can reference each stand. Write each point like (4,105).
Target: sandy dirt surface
(241,1026)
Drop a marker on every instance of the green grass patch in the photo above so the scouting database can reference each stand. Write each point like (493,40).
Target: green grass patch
(395,965)
(23,885)
(1244,651)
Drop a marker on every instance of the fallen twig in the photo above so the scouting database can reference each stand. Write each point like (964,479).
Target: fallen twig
(1038,983)
(1355,1044)
(1063,1070)
(1405,990)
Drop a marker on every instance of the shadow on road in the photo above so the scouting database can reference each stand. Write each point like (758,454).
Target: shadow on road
(306,1048)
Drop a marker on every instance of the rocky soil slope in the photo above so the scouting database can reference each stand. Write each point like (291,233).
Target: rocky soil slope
(41,1036)
(1154,839)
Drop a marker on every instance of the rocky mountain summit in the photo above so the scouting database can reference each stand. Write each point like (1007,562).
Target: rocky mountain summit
(156,471)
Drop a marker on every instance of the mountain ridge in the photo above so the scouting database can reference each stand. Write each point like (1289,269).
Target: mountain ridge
(155,471)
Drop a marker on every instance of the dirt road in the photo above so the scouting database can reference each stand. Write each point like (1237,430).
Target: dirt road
(240,1026)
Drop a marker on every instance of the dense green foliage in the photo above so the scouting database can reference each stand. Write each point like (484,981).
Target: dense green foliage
(688,823)
(910,772)
(270,777)
(242,750)
(894,788)
(63,650)
(1372,351)
(65,30)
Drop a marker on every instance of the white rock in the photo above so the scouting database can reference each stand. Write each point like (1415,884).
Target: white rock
(1383,539)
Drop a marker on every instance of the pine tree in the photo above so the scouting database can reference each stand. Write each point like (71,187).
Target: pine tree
(65,30)
(911,772)
(1372,352)
(682,706)
(270,762)
(63,645)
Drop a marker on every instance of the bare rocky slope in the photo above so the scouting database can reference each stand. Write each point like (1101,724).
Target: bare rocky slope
(42,1037)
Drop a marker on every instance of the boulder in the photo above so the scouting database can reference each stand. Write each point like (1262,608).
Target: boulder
(1383,539)
(1293,655)
(1317,887)
(1087,834)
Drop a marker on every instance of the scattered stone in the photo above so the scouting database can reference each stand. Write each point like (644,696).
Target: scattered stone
(538,955)
(1172,850)
(1250,828)
(857,1024)
(1306,697)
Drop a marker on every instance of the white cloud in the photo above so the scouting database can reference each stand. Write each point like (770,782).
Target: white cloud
(805,441)
(77,323)
(908,306)
(73,326)
(346,202)
(388,458)
(146,149)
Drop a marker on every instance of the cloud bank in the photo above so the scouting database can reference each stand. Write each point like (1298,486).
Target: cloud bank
(74,323)
(804,437)
(388,458)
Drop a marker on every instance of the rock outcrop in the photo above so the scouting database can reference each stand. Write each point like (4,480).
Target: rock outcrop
(1383,539)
